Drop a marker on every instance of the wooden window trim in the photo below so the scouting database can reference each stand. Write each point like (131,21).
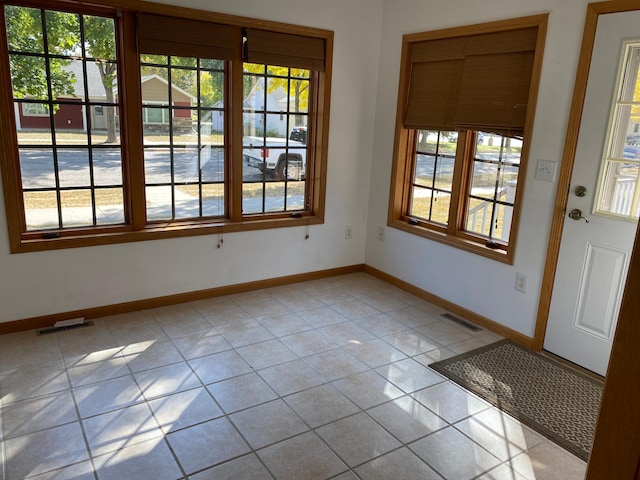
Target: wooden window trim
(131,135)
(403,151)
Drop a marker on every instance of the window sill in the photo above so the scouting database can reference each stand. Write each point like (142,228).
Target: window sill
(34,242)
(467,243)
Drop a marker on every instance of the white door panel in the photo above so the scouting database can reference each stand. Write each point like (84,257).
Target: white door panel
(594,255)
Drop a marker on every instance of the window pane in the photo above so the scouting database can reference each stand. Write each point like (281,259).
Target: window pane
(73,168)
(493,186)
(41,210)
(109,205)
(77,208)
(59,181)
(63,32)
(274,143)
(433,175)
(185,178)
(106,167)
(618,191)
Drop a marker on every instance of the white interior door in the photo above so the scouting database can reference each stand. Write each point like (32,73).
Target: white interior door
(594,255)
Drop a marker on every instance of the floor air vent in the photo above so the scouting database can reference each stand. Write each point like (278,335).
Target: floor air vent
(461,322)
(50,330)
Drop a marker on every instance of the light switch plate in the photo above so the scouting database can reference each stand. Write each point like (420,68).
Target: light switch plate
(546,170)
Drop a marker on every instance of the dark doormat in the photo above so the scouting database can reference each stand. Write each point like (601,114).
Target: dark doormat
(555,400)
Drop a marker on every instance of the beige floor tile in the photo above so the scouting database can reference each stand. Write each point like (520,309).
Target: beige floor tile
(219,366)
(308,343)
(322,316)
(150,460)
(409,375)
(335,364)
(43,451)
(367,389)
(407,419)
(453,455)
(321,405)
(78,471)
(88,373)
(166,380)
(381,325)
(346,333)
(140,333)
(411,342)
(445,333)
(333,296)
(22,383)
(266,354)
(201,345)
(106,396)
(242,334)
(27,348)
(550,462)
(412,316)
(435,356)
(185,327)
(28,416)
(291,377)
(226,317)
(151,354)
(468,345)
(242,392)
(385,302)
(492,422)
(268,423)
(399,464)
(450,401)
(184,409)
(355,309)
(503,472)
(304,456)
(270,307)
(287,324)
(120,428)
(376,353)
(207,444)
(300,301)
(247,467)
(249,298)
(357,439)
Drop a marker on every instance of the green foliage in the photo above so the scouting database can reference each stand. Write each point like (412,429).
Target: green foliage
(25,34)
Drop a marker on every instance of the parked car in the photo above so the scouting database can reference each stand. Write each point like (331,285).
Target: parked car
(299,134)
(276,156)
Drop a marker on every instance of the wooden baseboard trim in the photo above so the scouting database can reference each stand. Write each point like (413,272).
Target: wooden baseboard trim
(473,317)
(96,312)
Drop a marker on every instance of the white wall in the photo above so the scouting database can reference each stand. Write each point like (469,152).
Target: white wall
(474,282)
(33,284)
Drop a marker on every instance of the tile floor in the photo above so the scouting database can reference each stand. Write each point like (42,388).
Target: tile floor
(317,380)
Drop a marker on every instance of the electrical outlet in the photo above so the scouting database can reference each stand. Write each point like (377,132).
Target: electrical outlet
(521,282)
(348,232)
(381,234)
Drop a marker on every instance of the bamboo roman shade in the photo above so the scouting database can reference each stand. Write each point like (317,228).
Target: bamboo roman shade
(160,35)
(285,50)
(477,82)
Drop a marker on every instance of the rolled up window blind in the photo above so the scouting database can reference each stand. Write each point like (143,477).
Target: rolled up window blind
(477,82)
(160,35)
(285,50)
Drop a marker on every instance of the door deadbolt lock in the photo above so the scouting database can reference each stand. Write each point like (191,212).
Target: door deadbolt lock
(580,191)
(576,214)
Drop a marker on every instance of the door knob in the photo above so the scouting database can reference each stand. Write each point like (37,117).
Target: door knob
(576,214)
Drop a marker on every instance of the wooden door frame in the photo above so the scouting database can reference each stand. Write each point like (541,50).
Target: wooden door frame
(568,157)
(616,448)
